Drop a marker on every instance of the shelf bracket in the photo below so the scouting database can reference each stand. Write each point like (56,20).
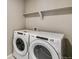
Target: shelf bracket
(41,15)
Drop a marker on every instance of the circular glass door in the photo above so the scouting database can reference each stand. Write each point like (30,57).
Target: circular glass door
(42,53)
(20,44)
(40,49)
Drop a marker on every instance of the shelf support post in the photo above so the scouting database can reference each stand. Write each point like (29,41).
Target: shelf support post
(41,14)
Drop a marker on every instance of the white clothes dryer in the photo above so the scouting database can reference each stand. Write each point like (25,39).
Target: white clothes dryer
(45,45)
(20,44)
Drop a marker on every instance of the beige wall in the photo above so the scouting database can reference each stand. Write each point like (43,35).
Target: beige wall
(38,5)
(15,20)
(56,23)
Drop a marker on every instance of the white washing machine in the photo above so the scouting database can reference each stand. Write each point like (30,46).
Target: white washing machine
(20,44)
(44,45)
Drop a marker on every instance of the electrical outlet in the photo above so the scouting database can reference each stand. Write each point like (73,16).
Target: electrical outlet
(35,28)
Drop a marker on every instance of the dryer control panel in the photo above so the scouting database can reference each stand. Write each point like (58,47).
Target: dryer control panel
(20,33)
(42,38)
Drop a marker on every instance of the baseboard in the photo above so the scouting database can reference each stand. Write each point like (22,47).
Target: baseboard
(10,56)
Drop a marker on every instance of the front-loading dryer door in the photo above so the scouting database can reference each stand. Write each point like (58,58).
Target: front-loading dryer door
(40,49)
(20,45)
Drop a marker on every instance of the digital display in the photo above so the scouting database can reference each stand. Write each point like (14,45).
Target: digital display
(20,33)
(42,38)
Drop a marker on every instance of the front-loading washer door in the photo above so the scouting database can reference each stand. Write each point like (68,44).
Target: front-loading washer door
(20,45)
(40,49)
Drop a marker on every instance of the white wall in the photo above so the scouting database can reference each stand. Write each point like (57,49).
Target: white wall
(56,23)
(15,20)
